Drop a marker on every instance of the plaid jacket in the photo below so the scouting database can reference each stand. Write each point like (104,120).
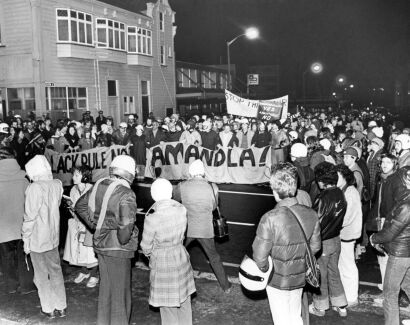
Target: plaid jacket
(171,277)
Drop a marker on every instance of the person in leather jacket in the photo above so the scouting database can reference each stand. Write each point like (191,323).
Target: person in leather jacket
(331,208)
(109,208)
(394,238)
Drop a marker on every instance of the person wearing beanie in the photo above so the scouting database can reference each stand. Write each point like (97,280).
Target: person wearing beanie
(210,139)
(109,208)
(171,277)
(402,148)
(191,135)
(299,158)
(200,198)
(41,234)
(376,149)
(350,158)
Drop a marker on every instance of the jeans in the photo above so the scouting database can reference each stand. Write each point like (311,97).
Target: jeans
(397,276)
(48,277)
(208,244)
(16,272)
(349,274)
(177,315)
(330,282)
(114,298)
(285,305)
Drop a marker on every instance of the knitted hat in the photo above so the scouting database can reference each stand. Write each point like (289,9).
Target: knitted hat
(378,131)
(161,189)
(123,166)
(298,150)
(325,143)
(372,124)
(293,134)
(196,168)
(38,167)
(351,151)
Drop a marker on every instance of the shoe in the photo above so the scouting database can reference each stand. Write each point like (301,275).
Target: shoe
(81,277)
(342,311)
(380,286)
(314,311)
(48,315)
(61,313)
(92,282)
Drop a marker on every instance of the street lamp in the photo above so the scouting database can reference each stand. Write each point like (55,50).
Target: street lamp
(315,68)
(351,86)
(250,33)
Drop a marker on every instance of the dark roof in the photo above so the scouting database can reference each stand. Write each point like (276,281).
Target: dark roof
(131,5)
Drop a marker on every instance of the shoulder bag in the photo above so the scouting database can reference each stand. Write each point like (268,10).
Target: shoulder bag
(312,274)
(219,221)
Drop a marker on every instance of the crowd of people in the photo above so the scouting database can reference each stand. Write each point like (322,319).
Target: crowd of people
(345,176)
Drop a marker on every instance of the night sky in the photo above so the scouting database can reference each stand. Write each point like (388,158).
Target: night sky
(368,41)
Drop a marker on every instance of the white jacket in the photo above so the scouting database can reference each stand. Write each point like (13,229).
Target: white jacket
(352,222)
(41,225)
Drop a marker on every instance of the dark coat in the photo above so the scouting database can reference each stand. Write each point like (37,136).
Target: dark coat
(154,140)
(210,139)
(138,149)
(331,207)
(261,140)
(280,236)
(118,138)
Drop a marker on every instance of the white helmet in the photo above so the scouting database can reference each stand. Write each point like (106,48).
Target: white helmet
(4,128)
(251,277)
(123,166)
(404,139)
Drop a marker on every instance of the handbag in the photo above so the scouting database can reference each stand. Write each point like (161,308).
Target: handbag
(219,221)
(312,274)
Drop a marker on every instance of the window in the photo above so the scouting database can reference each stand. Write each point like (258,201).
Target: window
(161,21)
(129,104)
(208,79)
(110,34)
(170,52)
(223,80)
(74,26)
(112,88)
(59,98)
(139,40)
(187,78)
(162,55)
(21,99)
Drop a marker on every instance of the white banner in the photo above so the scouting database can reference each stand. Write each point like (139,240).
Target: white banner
(236,165)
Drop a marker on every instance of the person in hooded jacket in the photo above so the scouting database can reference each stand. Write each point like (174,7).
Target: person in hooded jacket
(299,158)
(113,209)
(13,185)
(41,234)
(394,239)
(402,148)
(171,276)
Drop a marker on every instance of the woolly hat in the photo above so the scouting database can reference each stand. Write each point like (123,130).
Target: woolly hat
(196,168)
(293,134)
(378,141)
(404,139)
(351,151)
(139,127)
(372,124)
(161,189)
(298,150)
(38,168)
(123,125)
(325,143)
(378,131)
(123,166)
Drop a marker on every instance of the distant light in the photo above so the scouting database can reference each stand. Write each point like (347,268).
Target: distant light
(316,67)
(334,94)
(371,103)
(341,80)
(252,33)
(381,89)
(351,86)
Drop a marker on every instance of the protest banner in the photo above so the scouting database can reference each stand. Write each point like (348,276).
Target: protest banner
(226,165)
(268,110)
(240,106)
(99,159)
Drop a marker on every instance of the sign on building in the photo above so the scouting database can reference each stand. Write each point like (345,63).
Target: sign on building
(253,79)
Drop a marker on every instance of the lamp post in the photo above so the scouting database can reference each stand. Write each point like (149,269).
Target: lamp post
(250,33)
(315,68)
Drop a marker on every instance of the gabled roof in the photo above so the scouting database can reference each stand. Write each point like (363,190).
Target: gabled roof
(137,6)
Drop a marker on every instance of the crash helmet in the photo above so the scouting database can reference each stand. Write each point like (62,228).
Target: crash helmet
(251,277)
